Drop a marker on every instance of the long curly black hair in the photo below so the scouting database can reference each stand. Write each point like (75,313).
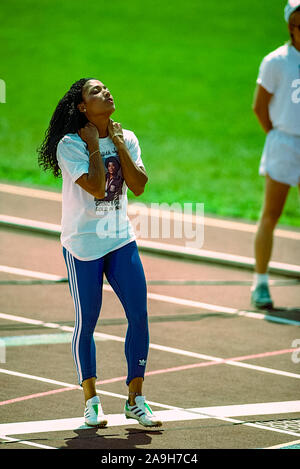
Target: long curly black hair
(66,119)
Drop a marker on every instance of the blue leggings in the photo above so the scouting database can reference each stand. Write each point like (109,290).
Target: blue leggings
(124,271)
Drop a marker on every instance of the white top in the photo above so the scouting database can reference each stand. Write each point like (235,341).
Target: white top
(94,227)
(279,74)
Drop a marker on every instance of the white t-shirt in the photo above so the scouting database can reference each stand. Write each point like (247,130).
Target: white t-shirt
(94,227)
(279,74)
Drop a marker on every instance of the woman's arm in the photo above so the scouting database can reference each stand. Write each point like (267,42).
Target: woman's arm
(94,181)
(261,107)
(135,176)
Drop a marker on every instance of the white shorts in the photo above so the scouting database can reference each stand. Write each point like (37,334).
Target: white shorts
(281,157)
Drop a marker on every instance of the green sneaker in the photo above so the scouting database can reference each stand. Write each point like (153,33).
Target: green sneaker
(261,298)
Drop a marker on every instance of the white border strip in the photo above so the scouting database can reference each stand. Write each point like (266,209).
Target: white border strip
(173,415)
(181,413)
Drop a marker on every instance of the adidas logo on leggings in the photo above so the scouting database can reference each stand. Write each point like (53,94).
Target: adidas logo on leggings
(142,362)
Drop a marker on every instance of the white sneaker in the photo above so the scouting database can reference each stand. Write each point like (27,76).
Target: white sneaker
(142,412)
(93,413)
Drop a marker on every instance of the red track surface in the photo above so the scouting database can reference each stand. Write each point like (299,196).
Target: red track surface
(262,350)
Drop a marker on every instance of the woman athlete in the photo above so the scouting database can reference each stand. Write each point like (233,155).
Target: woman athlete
(97,236)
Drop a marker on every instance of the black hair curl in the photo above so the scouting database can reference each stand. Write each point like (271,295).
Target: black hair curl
(66,119)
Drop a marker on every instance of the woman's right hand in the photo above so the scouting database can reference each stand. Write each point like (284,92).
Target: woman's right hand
(89,134)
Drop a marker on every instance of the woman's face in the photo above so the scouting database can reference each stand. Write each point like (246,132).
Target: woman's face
(294,24)
(111,168)
(97,100)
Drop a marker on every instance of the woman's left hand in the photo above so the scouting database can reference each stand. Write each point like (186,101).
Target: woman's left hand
(115,130)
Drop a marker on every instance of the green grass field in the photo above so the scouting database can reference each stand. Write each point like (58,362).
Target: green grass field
(182,74)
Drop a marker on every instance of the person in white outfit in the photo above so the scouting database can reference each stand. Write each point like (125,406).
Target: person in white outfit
(277,107)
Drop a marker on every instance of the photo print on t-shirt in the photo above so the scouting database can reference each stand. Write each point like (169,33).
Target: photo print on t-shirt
(113,187)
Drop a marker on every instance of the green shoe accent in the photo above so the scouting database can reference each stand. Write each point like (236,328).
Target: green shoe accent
(95,407)
(147,407)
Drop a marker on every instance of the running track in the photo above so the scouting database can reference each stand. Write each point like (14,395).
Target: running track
(220,374)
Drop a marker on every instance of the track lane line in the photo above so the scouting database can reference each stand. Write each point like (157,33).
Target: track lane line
(159,297)
(286,445)
(172,414)
(158,248)
(150,373)
(163,348)
(134,209)
(24,442)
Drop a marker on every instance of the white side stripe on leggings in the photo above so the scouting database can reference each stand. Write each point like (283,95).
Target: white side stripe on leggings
(77,330)
(72,288)
(78,322)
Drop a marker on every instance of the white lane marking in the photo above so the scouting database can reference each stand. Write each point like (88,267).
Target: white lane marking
(24,442)
(191,303)
(137,209)
(42,225)
(28,192)
(52,325)
(263,369)
(162,348)
(173,415)
(134,209)
(37,339)
(261,408)
(152,296)
(285,445)
(29,273)
(190,413)
(38,378)
(74,386)
(40,339)
(206,255)
(195,253)
(205,306)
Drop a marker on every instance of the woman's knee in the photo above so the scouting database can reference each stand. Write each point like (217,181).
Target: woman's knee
(138,320)
(269,218)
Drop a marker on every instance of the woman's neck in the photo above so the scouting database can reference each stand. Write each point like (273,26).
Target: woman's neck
(102,126)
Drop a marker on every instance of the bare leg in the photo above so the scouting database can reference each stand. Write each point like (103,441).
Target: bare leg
(89,388)
(134,389)
(275,197)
